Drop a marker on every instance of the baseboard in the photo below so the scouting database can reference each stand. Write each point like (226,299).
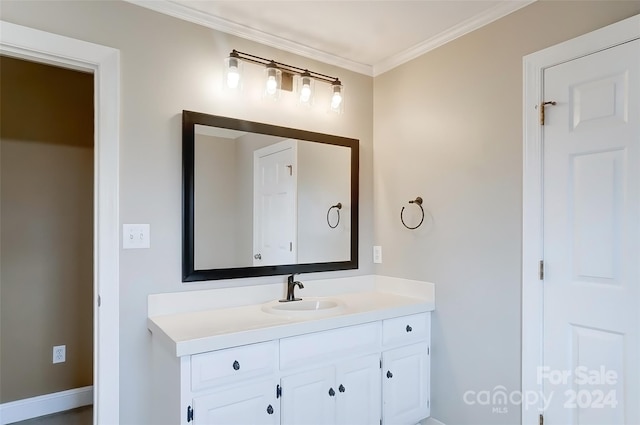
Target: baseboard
(431,421)
(47,404)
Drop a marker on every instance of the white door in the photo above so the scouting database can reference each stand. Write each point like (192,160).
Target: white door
(308,398)
(274,206)
(591,213)
(405,384)
(253,404)
(358,393)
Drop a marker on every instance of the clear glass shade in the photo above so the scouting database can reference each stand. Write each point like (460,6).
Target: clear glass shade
(273,82)
(337,97)
(233,73)
(305,89)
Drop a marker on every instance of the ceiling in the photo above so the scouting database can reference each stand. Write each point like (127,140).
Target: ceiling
(365,36)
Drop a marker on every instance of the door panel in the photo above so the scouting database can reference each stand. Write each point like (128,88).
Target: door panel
(600,101)
(591,213)
(306,399)
(275,203)
(358,395)
(596,210)
(405,386)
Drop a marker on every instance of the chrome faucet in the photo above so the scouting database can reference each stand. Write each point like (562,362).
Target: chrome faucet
(291,286)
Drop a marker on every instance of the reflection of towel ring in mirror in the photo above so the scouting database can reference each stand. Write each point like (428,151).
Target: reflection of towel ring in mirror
(338,207)
(417,201)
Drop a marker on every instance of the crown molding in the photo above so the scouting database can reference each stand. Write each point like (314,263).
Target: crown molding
(183,12)
(500,10)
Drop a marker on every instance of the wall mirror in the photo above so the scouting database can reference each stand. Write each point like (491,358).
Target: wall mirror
(262,200)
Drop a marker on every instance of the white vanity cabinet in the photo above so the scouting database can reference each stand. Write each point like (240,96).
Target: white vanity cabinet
(406,369)
(365,373)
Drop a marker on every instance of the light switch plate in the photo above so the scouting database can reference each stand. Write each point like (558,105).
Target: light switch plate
(136,236)
(377,254)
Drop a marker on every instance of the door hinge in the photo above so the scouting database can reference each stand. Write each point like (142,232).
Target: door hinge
(290,167)
(541,270)
(380,363)
(542,105)
(189,414)
(541,420)
(278,391)
(428,350)
(290,246)
(99,301)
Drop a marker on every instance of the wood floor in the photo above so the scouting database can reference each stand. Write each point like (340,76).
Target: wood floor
(79,416)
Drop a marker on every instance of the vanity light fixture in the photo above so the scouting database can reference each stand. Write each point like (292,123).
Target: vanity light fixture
(278,76)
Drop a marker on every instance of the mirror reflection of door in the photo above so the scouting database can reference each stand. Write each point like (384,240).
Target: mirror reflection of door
(275,200)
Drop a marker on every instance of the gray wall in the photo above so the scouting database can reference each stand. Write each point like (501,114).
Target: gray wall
(215,205)
(448,128)
(168,65)
(46,216)
(323,181)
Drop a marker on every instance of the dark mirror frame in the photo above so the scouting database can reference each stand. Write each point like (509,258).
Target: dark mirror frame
(189,273)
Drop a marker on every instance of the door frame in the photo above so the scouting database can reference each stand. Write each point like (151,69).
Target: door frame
(534,66)
(104,62)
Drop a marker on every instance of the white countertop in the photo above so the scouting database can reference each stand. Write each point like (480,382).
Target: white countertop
(366,299)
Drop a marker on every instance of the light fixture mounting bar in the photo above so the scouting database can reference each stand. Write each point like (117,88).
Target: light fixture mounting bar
(282,66)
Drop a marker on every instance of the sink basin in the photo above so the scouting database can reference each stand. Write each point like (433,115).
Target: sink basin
(305,307)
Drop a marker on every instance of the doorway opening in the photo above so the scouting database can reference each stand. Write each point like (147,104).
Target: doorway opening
(104,62)
(47,174)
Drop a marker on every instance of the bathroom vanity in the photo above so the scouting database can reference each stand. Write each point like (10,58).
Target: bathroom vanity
(353,351)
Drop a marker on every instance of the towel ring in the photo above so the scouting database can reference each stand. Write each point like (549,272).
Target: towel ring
(417,201)
(338,207)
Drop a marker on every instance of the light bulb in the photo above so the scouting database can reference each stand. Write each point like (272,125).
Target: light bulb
(336,100)
(272,85)
(272,88)
(233,77)
(305,93)
(305,88)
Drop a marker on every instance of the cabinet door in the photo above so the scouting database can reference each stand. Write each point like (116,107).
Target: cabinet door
(358,394)
(308,398)
(405,384)
(253,404)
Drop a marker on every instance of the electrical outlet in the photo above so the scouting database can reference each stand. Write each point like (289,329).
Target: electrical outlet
(59,354)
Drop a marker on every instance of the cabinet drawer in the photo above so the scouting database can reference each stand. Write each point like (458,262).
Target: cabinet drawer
(233,364)
(406,329)
(323,346)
